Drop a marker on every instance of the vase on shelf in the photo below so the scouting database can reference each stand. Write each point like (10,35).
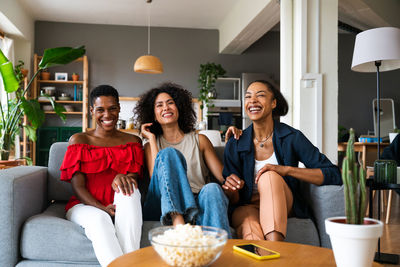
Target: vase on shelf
(45,75)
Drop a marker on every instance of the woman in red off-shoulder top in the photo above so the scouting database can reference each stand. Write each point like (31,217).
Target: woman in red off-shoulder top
(103,166)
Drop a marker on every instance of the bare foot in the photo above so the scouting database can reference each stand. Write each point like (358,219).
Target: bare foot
(177,219)
(274,236)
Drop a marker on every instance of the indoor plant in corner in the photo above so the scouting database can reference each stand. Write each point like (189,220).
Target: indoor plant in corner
(208,75)
(354,238)
(17,105)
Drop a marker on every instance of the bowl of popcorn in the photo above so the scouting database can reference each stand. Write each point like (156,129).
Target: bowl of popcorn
(188,245)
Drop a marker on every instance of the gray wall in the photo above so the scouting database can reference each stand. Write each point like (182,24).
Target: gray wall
(112,51)
(357,90)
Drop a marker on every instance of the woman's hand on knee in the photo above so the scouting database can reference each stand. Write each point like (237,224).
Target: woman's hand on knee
(110,209)
(233,183)
(279,169)
(124,183)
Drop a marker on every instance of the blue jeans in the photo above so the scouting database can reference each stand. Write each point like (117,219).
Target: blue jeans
(169,192)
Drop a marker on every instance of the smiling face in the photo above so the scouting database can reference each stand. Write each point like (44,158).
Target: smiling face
(165,109)
(106,111)
(259,102)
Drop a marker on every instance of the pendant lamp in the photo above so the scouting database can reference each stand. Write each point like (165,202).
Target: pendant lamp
(148,63)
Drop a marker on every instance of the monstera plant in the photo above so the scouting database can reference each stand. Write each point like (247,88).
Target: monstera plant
(17,105)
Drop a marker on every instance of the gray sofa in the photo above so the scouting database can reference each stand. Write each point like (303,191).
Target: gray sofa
(34,231)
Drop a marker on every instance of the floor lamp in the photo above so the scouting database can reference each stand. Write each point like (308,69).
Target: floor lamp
(378,50)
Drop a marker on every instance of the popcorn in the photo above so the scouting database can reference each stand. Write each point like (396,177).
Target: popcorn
(187,245)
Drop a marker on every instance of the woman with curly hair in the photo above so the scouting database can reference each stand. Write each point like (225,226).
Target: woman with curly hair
(179,161)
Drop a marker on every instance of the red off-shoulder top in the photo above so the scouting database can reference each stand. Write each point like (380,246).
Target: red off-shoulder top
(100,165)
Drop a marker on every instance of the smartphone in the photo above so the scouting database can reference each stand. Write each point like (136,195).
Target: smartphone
(256,251)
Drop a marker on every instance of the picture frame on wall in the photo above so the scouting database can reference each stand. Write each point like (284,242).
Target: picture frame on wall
(61,76)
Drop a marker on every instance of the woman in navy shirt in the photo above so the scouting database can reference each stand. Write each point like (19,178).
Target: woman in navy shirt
(261,168)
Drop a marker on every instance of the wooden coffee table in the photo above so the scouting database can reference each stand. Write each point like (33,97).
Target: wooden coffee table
(291,255)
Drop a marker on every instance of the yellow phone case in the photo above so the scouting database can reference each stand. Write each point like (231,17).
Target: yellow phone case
(253,255)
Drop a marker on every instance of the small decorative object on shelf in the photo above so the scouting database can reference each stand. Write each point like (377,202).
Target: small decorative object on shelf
(45,75)
(385,171)
(75,77)
(61,76)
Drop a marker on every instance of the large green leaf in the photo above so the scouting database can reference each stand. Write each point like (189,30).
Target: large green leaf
(10,81)
(30,132)
(59,109)
(60,56)
(33,111)
(3,58)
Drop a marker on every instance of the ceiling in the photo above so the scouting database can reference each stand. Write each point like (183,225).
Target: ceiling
(201,14)
(240,22)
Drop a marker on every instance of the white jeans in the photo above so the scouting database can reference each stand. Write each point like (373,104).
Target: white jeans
(109,241)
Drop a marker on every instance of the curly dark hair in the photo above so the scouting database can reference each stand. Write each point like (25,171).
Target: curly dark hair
(103,90)
(282,106)
(183,101)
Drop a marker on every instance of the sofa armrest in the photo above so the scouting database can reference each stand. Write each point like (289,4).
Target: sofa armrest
(22,194)
(325,201)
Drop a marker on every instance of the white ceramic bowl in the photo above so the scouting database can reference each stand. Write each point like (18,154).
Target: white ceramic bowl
(200,246)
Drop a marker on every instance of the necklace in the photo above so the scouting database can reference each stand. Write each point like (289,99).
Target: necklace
(264,140)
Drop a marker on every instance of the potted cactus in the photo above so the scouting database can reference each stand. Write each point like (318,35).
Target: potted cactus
(353,237)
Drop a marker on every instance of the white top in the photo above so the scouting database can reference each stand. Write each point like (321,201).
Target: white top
(261,163)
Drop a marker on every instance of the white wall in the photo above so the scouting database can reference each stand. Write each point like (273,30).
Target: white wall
(19,25)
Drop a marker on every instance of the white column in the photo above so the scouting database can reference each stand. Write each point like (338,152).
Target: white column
(309,69)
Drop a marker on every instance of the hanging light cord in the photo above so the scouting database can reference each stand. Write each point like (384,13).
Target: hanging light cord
(148,27)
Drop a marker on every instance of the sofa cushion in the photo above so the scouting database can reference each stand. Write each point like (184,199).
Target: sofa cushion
(326,201)
(50,237)
(57,190)
(57,239)
(302,231)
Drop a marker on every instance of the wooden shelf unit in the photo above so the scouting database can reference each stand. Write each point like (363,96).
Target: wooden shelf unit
(83,104)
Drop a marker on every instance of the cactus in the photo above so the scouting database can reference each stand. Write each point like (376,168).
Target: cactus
(354,185)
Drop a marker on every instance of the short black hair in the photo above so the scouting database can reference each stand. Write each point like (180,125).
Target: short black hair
(103,90)
(183,101)
(282,106)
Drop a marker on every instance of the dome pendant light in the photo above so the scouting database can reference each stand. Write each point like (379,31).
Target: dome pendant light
(148,63)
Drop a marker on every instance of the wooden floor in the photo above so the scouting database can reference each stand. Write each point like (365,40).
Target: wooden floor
(390,241)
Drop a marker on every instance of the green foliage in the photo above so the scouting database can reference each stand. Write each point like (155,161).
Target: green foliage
(341,132)
(354,185)
(17,106)
(207,77)
(395,130)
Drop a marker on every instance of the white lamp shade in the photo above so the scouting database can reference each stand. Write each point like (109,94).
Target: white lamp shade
(380,44)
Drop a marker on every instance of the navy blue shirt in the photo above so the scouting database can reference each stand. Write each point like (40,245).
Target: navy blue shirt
(290,147)
(393,151)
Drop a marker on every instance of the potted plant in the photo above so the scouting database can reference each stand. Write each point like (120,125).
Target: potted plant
(45,75)
(208,75)
(20,71)
(17,106)
(353,237)
(75,77)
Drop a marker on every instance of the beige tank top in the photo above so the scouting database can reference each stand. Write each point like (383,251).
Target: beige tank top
(197,171)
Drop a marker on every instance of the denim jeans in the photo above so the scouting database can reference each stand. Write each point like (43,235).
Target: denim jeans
(169,192)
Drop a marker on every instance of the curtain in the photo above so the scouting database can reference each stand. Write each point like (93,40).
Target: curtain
(7,46)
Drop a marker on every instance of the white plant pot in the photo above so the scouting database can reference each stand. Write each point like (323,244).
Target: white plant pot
(353,245)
